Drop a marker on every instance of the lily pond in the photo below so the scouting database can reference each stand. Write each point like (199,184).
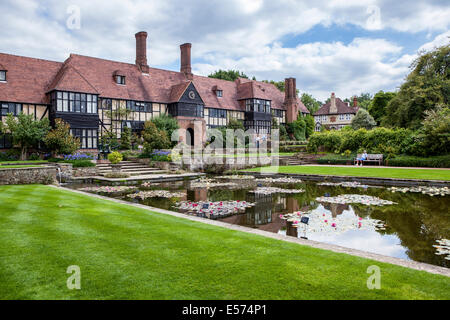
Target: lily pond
(409,223)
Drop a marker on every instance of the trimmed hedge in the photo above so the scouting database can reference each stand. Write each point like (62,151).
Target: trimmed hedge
(412,161)
(80,163)
(336,159)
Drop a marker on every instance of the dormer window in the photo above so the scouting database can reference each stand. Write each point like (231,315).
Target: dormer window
(119,77)
(219,93)
(120,80)
(2,75)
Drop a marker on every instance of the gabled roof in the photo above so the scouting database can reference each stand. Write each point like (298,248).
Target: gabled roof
(30,79)
(27,78)
(67,77)
(178,90)
(341,106)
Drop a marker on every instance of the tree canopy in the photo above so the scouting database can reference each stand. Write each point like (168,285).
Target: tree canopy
(310,102)
(230,75)
(426,88)
(60,141)
(377,107)
(25,131)
(363,119)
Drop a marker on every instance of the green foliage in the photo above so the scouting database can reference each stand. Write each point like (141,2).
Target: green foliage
(115,157)
(364,100)
(166,123)
(80,163)
(377,107)
(154,138)
(25,131)
(125,139)
(128,155)
(310,124)
(425,88)
(278,84)
(229,75)
(433,138)
(310,102)
(283,133)
(297,129)
(363,119)
(60,141)
(109,139)
(379,140)
(333,158)
(235,124)
(413,161)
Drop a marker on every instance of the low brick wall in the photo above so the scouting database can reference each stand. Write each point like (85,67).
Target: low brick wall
(42,175)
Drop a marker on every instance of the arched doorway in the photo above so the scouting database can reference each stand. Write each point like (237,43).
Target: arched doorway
(190,137)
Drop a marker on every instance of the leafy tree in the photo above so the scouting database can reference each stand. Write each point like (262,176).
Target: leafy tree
(166,123)
(109,138)
(235,124)
(297,129)
(283,133)
(310,124)
(427,86)
(364,100)
(60,141)
(25,131)
(363,119)
(377,108)
(230,75)
(154,138)
(125,139)
(310,102)
(434,136)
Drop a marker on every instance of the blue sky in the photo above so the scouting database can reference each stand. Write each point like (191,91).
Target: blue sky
(347,47)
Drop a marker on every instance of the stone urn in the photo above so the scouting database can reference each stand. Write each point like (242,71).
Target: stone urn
(116,167)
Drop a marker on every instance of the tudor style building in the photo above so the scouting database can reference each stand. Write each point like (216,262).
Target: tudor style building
(91,94)
(335,114)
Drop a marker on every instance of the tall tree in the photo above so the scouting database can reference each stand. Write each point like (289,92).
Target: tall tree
(377,108)
(25,131)
(166,123)
(310,102)
(229,75)
(363,119)
(426,87)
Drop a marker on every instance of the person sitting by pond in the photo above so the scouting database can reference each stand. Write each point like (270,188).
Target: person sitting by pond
(362,159)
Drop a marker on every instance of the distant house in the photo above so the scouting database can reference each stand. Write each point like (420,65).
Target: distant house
(335,114)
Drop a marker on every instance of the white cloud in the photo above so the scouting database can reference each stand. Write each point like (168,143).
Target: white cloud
(245,35)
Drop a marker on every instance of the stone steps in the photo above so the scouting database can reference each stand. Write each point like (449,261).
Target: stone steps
(131,167)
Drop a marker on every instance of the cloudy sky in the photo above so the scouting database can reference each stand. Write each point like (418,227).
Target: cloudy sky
(348,46)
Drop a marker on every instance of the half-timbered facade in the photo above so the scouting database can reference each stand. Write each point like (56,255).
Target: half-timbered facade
(96,96)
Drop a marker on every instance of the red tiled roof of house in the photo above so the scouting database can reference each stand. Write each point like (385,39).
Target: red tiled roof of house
(178,90)
(341,106)
(30,79)
(26,78)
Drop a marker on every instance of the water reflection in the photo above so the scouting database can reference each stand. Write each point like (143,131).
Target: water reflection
(413,224)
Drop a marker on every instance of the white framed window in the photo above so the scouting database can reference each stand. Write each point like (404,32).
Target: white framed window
(2,75)
(219,93)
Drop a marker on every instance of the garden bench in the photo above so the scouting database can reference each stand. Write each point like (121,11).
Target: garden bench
(377,158)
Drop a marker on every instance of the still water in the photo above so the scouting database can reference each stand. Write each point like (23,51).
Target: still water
(411,226)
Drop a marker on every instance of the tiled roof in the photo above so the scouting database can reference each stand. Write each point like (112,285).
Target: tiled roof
(341,106)
(27,78)
(30,79)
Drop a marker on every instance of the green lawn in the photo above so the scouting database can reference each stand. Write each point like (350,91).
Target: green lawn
(400,173)
(24,161)
(128,253)
(254,154)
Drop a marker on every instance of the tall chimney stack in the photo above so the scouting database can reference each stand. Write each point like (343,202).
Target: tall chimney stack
(185,66)
(355,102)
(333,108)
(141,51)
(290,99)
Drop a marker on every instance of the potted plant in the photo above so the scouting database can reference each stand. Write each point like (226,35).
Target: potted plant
(115,158)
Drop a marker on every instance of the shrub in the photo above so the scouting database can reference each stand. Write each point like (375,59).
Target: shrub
(412,161)
(336,158)
(160,155)
(60,141)
(154,138)
(127,155)
(115,157)
(78,156)
(10,155)
(34,156)
(125,139)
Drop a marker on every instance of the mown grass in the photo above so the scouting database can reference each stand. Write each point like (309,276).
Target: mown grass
(130,253)
(399,173)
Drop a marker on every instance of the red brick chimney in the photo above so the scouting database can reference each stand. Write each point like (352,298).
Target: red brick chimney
(333,107)
(185,66)
(290,99)
(141,51)
(355,102)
